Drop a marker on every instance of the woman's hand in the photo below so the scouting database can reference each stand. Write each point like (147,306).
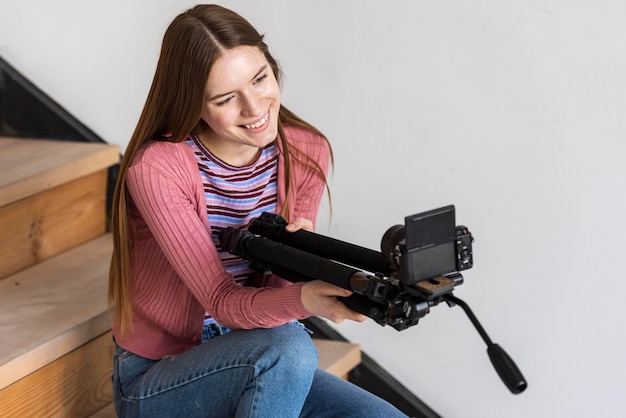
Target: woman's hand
(299,223)
(320,297)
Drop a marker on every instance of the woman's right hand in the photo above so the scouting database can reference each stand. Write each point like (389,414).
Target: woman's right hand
(320,299)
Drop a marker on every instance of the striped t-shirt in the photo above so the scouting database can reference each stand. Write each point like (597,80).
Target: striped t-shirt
(236,195)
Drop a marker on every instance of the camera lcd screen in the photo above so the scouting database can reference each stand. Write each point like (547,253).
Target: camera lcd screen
(430,240)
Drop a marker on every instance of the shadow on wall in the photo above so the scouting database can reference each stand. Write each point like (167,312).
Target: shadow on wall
(27,112)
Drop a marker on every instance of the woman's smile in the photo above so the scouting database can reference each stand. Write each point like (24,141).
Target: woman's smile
(262,122)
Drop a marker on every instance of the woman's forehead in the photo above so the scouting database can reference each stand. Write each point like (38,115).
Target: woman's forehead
(235,66)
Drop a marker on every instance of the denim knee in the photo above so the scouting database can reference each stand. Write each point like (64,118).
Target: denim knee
(304,347)
(295,348)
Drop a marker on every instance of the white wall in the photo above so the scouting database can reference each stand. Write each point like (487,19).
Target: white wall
(513,111)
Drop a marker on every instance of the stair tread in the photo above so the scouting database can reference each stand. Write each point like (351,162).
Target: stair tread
(53,307)
(29,166)
(337,357)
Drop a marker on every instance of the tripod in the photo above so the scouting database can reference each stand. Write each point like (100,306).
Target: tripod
(384,295)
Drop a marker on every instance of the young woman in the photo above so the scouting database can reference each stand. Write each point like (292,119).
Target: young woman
(197,333)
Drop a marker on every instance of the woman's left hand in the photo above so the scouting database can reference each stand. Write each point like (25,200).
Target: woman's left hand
(299,223)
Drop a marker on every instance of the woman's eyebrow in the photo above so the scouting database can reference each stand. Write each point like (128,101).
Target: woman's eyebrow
(263,68)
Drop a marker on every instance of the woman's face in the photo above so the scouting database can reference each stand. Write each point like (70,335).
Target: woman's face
(241,105)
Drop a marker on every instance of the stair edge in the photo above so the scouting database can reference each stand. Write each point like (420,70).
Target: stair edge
(102,157)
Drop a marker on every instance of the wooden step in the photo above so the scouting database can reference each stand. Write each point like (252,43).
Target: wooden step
(106,412)
(48,201)
(30,166)
(39,227)
(52,308)
(336,357)
(75,386)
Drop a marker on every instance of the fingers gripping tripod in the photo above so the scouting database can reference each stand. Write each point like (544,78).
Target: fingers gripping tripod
(418,268)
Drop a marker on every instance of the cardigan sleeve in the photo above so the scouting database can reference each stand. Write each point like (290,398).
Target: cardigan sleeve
(162,188)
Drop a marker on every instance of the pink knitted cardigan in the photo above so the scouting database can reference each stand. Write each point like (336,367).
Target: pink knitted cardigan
(178,274)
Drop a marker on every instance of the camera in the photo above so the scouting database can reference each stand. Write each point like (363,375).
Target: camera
(427,246)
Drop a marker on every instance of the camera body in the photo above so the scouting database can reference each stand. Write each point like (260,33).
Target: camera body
(464,254)
(429,245)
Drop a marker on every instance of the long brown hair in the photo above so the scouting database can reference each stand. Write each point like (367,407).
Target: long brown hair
(192,43)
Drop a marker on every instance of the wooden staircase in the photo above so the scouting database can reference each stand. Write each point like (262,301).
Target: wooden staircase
(54,259)
(56,351)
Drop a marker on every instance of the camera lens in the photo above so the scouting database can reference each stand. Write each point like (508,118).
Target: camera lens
(390,242)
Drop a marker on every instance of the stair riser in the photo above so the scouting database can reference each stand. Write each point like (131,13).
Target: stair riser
(76,385)
(41,226)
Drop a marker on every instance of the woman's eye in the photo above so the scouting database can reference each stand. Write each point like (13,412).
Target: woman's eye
(260,79)
(226,100)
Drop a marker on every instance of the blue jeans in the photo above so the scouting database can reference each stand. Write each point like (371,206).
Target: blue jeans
(242,373)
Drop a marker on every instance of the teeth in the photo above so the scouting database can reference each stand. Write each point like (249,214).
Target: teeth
(258,124)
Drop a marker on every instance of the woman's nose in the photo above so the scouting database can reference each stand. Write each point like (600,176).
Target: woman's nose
(251,105)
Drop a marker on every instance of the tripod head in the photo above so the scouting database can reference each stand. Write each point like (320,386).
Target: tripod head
(418,268)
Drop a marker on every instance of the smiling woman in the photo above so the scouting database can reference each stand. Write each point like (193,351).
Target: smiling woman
(197,332)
